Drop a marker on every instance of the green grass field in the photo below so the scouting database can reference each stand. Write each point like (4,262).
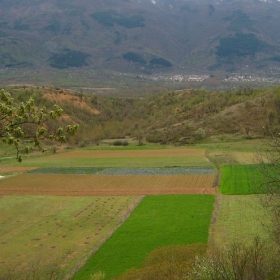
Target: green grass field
(240,218)
(111,157)
(157,221)
(113,162)
(241,179)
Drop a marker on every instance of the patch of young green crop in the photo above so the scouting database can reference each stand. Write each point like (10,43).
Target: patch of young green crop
(241,179)
(43,161)
(157,221)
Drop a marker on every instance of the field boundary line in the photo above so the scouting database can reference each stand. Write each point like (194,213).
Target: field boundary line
(124,216)
(215,213)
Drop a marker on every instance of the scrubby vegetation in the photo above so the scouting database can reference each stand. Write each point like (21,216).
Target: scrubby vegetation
(135,57)
(160,62)
(240,45)
(195,262)
(109,18)
(239,21)
(68,58)
(177,117)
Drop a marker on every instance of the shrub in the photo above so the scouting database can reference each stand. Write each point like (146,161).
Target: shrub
(161,62)
(120,143)
(135,57)
(238,262)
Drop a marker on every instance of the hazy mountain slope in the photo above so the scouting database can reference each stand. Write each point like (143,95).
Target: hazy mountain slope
(140,36)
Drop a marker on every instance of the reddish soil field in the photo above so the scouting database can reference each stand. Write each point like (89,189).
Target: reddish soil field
(76,185)
(179,152)
(15,169)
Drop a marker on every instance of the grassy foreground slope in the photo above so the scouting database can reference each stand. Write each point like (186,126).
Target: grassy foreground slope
(157,221)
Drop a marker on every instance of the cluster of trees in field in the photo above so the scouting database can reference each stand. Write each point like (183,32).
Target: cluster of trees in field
(178,117)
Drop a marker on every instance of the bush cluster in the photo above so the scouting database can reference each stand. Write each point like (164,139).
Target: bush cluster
(120,143)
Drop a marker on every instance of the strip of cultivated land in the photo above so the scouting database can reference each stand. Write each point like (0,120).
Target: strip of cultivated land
(15,169)
(240,218)
(176,152)
(122,171)
(177,157)
(73,185)
(241,179)
(39,232)
(157,221)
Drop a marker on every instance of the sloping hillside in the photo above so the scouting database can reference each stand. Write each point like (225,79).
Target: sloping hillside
(179,117)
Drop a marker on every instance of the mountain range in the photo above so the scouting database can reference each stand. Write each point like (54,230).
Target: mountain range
(140,36)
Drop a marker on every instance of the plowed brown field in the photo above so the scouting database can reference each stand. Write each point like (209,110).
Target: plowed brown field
(15,169)
(75,185)
(178,152)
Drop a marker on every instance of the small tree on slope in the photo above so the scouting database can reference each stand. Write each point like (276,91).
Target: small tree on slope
(23,125)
